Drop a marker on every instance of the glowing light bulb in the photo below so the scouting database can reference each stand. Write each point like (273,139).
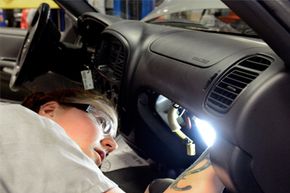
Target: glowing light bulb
(206,131)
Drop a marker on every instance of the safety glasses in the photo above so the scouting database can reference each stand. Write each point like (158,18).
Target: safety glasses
(101,119)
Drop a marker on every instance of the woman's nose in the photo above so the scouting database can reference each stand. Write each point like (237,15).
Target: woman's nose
(109,144)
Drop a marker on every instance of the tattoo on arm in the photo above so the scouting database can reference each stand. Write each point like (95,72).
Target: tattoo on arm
(191,171)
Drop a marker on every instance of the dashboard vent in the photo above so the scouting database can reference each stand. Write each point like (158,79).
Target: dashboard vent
(118,59)
(257,63)
(111,58)
(230,86)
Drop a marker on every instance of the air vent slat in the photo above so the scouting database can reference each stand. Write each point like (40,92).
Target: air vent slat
(247,75)
(226,93)
(217,105)
(234,82)
(119,67)
(240,78)
(118,71)
(221,98)
(230,86)
(261,60)
(256,63)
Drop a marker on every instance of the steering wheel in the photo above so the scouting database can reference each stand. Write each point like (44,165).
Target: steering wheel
(30,58)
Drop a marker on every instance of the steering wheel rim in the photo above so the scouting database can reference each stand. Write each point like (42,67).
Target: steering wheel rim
(30,45)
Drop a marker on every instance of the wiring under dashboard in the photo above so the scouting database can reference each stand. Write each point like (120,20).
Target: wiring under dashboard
(175,127)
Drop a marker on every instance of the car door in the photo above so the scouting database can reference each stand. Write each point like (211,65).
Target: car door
(11,40)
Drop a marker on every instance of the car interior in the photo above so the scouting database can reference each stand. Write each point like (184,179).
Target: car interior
(164,82)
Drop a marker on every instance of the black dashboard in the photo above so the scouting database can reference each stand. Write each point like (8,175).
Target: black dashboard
(235,83)
(167,82)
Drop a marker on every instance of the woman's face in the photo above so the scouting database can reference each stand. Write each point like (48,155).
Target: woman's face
(82,129)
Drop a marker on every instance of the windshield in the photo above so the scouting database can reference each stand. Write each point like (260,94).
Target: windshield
(217,20)
(206,15)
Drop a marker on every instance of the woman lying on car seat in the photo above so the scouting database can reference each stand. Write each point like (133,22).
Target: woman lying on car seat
(59,146)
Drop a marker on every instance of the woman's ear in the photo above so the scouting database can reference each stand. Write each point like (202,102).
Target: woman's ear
(48,109)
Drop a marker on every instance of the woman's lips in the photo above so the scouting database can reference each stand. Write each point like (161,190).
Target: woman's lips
(101,153)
